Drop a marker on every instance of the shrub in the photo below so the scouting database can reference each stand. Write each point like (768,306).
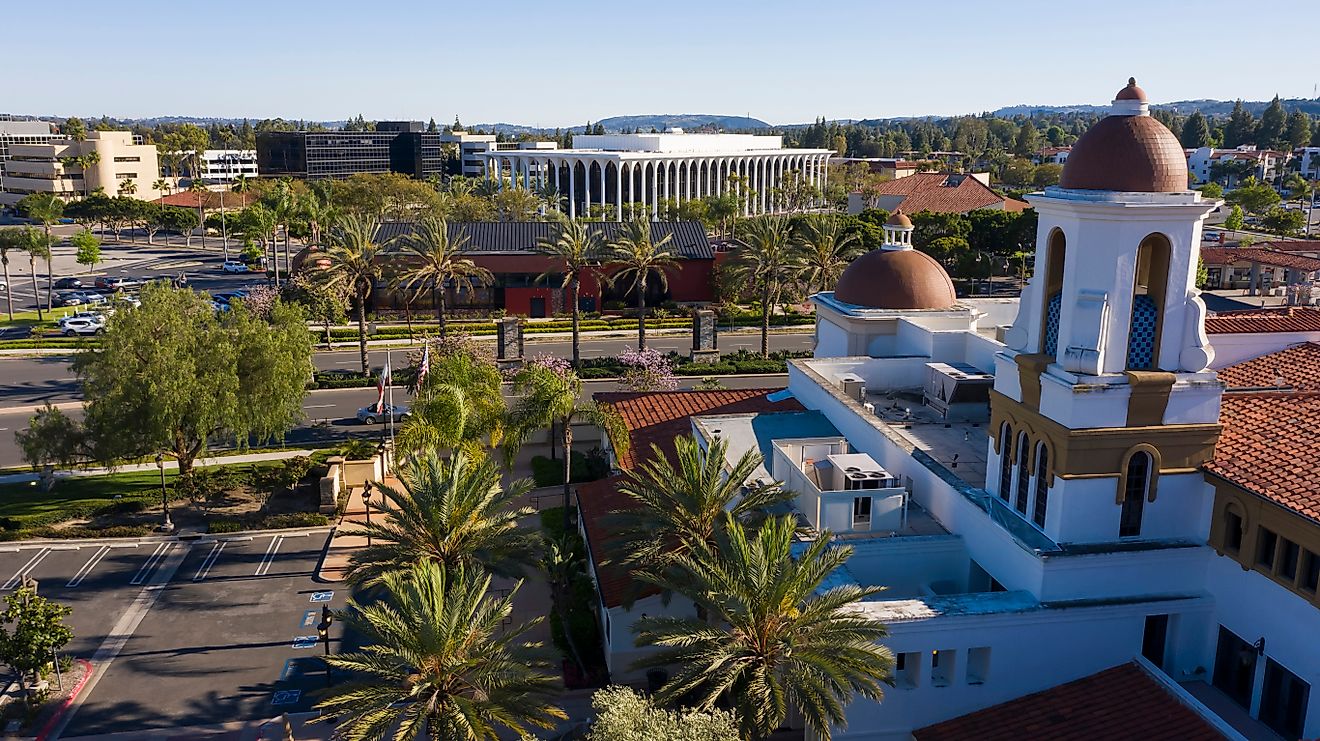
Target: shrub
(584,467)
(293,519)
(705,369)
(224,526)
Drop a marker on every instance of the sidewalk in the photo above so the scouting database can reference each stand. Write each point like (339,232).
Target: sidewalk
(271,729)
(223,460)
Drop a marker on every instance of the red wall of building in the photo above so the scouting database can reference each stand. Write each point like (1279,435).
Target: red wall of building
(689,282)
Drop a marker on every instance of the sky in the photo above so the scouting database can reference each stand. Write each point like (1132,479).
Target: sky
(562,63)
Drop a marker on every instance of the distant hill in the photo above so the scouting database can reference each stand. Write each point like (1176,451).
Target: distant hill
(687,121)
(1211,108)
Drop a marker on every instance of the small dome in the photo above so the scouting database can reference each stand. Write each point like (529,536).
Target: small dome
(899,219)
(1127,151)
(896,279)
(1131,92)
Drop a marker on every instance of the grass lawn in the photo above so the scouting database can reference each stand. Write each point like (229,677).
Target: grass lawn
(29,318)
(81,496)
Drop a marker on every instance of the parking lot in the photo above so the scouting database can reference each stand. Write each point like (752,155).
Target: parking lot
(207,631)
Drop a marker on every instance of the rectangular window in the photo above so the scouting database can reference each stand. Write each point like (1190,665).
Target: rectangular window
(861,513)
(1153,638)
(1283,700)
(943,664)
(1288,564)
(1310,571)
(907,670)
(978,665)
(1232,532)
(1266,544)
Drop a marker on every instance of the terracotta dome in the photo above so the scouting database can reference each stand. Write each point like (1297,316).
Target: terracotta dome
(896,279)
(1127,151)
(899,219)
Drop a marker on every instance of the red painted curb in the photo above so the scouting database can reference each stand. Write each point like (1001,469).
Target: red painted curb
(68,701)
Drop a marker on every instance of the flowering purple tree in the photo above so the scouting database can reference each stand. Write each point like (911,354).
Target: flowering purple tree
(260,300)
(558,365)
(647,370)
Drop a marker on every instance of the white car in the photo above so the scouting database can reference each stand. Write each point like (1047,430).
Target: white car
(82,323)
(234,266)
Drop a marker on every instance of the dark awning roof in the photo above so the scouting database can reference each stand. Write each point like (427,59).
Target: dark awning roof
(521,237)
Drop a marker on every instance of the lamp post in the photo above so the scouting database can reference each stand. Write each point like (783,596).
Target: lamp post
(165,525)
(323,628)
(366,502)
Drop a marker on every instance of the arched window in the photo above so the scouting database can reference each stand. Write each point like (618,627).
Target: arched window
(1148,290)
(1024,474)
(1005,461)
(1042,486)
(1053,293)
(1136,485)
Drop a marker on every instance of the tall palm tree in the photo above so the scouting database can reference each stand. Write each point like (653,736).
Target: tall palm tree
(127,188)
(46,209)
(453,512)
(547,397)
(826,250)
(766,262)
(770,640)
(635,256)
(318,212)
(459,404)
(161,185)
(198,187)
(353,263)
(10,239)
(437,662)
(437,262)
(578,252)
(37,245)
(677,507)
(85,162)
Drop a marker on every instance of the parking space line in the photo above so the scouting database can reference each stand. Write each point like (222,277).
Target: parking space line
(269,558)
(152,561)
(25,569)
(209,561)
(87,567)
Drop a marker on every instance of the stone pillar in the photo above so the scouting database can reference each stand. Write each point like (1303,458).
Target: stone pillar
(705,342)
(509,342)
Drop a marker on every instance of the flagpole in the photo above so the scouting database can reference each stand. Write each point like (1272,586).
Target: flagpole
(390,380)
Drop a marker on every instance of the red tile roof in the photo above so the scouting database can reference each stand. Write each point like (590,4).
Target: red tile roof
(1255,321)
(1269,445)
(1298,366)
(941,192)
(1229,255)
(210,199)
(1292,245)
(658,417)
(1119,703)
(651,417)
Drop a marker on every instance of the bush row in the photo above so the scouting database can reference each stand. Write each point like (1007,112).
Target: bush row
(267,522)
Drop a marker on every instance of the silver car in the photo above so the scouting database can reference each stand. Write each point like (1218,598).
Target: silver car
(369,415)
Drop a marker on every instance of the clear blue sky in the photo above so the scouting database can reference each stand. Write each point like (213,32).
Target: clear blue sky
(561,63)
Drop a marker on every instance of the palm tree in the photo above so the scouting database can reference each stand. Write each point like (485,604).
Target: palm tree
(770,640)
(45,208)
(636,256)
(318,212)
(452,512)
(678,507)
(37,245)
(547,397)
(766,263)
(161,185)
(437,262)
(127,188)
(10,239)
(437,662)
(826,249)
(85,162)
(564,567)
(198,187)
(459,404)
(578,251)
(353,264)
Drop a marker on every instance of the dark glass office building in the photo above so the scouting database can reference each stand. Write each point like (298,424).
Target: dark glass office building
(395,146)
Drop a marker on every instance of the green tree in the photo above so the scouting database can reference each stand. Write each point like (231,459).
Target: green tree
(1284,222)
(178,220)
(826,250)
(1046,175)
(772,639)
(1195,132)
(548,397)
(453,513)
(767,262)
(51,439)
(10,239)
(636,256)
(1027,141)
(45,209)
(516,204)
(38,246)
(1212,191)
(436,263)
(32,629)
(1241,127)
(622,714)
(1273,125)
(577,251)
(323,304)
(172,377)
(74,128)
(127,187)
(88,247)
(353,264)
(1235,219)
(459,404)
(438,662)
(1299,129)
(1019,172)
(1254,197)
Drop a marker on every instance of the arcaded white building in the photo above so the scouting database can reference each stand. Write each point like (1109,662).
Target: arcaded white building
(613,170)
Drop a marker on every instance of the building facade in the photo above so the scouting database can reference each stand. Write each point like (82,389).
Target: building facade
(610,171)
(224,166)
(22,132)
(112,161)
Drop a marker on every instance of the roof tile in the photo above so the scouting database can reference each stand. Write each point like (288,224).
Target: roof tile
(1265,436)
(1255,321)
(941,192)
(1298,367)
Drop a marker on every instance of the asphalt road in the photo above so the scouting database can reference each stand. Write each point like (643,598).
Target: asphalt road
(200,630)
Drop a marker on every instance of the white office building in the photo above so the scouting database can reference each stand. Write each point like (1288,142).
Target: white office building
(14,131)
(613,170)
(224,166)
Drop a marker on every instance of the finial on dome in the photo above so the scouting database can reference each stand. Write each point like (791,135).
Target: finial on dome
(1132,81)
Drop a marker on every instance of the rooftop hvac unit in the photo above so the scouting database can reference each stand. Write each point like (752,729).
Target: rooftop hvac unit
(854,387)
(958,391)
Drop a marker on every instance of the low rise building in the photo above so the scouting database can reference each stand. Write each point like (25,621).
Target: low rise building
(937,192)
(1263,164)
(115,162)
(225,166)
(15,131)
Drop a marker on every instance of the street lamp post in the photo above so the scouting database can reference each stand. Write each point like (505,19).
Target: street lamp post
(323,628)
(165,525)
(366,502)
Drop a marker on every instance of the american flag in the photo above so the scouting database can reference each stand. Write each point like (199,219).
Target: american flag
(381,384)
(425,367)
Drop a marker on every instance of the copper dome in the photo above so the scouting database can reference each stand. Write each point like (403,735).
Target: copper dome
(1127,153)
(896,279)
(1131,92)
(899,219)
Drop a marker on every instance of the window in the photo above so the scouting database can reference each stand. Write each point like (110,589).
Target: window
(1266,545)
(861,513)
(1135,485)
(1024,474)
(943,664)
(1148,291)
(907,670)
(1232,531)
(1053,295)
(1005,461)
(1154,637)
(1042,486)
(978,665)
(1283,700)
(1288,564)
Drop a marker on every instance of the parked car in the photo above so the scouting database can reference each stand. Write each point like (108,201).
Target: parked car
(369,415)
(4,286)
(112,283)
(15,333)
(234,266)
(89,297)
(67,298)
(224,297)
(76,325)
(65,284)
